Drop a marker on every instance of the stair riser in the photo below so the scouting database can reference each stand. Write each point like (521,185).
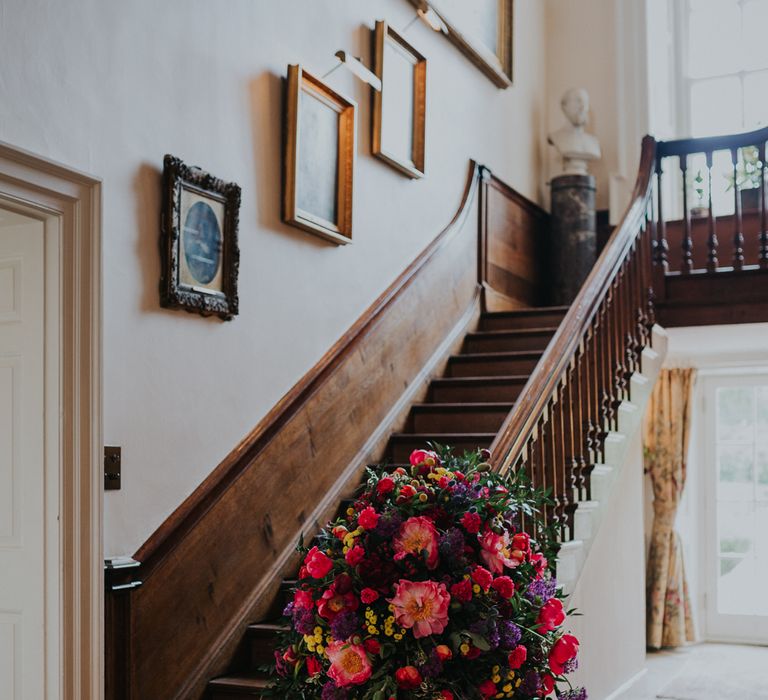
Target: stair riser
(490,367)
(475,393)
(511,323)
(401,451)
(262,649)
(233,695)
(454,422)
(506,344)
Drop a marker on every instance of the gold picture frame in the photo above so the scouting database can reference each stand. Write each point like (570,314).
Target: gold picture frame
(399,108)
(496,61)
(319,157)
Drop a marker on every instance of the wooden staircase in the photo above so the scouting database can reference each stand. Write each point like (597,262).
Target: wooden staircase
(464,409)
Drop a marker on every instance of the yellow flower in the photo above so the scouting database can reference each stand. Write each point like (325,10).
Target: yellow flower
(464,648)
(476,589)
(320,649)
(318,631)
(351,511)
(506,687)
(496,669)
(398,637)
(423,497)
(496,678)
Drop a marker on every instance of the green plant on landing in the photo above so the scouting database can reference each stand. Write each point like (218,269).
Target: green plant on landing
(748,170)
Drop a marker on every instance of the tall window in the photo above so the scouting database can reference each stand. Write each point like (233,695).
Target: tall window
(724,65)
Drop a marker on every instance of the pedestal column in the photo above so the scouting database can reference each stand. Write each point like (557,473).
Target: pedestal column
(573,236)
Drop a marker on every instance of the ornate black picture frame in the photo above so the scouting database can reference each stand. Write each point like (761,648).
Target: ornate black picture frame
(198,242)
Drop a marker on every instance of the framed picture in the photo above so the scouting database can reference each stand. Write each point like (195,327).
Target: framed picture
(399,108)
(200,256)
(481,29)
(319,157)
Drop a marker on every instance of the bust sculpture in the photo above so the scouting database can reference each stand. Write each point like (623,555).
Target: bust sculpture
(575,145)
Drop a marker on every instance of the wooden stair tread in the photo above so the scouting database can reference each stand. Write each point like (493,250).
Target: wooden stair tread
(512,332)
(504,355)
(531,311)
(461,407)
(498,379)
(272,627)
(240,682)
(438,436)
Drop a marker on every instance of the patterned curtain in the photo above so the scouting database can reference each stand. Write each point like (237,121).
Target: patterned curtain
(669,622)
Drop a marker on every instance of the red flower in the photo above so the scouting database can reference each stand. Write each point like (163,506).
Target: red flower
(334,602)
(424,457)
(517,657)
(317,563)
(368,518)
(521,541)
(487,689)
(462,591)
(473,652)
(551,615)
(482,577)
(340,532)
(443,652)
(368,595)
(372,646)
(406,492)
(471,522)
(408,677)
(446,695)
(504,587)
(539,562)
(313,666)
(385,485)
(563,651)
(443,482)
(303,599)
(355,555)
(547,684)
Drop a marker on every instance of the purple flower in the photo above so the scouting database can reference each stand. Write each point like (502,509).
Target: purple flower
(571,665)
(452,545)
(531,683)
(488,630)
(432,667)
(344,625)
(303,620)
(509,635)
(389,524)
(331,691)
(575,694)
(541,588)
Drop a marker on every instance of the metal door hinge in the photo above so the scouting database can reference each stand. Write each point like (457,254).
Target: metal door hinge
(112,468)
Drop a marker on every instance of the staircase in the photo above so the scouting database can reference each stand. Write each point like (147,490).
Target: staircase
(464,409)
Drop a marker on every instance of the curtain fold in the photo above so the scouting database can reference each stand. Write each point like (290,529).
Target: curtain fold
(669,621)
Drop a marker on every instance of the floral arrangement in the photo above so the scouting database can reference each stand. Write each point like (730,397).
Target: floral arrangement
(429,587)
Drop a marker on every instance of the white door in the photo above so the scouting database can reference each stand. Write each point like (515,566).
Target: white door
(736,515)
(23,659)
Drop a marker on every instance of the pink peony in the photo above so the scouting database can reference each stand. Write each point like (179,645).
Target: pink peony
(496,552)
(318,564)
(421,605)
(417,536)
(349,663)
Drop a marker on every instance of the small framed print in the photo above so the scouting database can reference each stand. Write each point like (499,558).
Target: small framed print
(399,108)
(200,255)
(319,157)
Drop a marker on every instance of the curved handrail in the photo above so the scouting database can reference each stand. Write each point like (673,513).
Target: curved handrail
(543,383)
(703,144)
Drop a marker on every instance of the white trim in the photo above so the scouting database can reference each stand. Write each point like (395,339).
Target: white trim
(624,687)
(69,204)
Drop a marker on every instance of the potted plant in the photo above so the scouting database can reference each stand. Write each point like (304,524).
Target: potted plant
(748,174)
(700,209)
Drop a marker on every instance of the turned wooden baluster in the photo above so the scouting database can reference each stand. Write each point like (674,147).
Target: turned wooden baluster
(712,239)
(550,465)
(579,403)
(558,424)
(738,236)
(687,264)
(661,247)
(763,255)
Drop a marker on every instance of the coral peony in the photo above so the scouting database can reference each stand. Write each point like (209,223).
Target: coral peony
(334,602)
(551,615)
(421,605)
(417,536)
(563,651)
(496,552)
(317,563)
(349,663)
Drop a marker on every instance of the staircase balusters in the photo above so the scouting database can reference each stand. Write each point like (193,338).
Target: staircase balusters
(661,248)
(687,264)
(738,236)
(712,238)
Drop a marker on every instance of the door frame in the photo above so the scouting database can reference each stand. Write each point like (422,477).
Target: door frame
(68,203)
(710,380)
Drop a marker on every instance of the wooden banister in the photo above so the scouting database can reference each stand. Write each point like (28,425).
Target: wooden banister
(597,356)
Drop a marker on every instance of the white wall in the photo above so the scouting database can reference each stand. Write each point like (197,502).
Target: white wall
(111,87)
(610,593)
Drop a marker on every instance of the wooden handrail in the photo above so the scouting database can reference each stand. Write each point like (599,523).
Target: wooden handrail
(704,144)
(543,387)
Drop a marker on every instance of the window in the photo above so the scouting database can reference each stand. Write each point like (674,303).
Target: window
(723,71)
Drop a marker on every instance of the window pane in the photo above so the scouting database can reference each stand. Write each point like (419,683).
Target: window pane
(756,98)
(761,428)
(716,106)
(734,468)
(753,44)
(734,413)
(761,469)
(714,38)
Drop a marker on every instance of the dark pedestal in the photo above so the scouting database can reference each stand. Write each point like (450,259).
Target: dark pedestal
(573,236)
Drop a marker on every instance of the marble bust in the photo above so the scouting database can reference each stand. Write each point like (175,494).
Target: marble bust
(575,145)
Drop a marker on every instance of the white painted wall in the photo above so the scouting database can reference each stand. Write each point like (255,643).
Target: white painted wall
(610,593)
(111,87)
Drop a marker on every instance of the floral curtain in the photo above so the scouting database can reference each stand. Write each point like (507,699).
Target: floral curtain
(669,622)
